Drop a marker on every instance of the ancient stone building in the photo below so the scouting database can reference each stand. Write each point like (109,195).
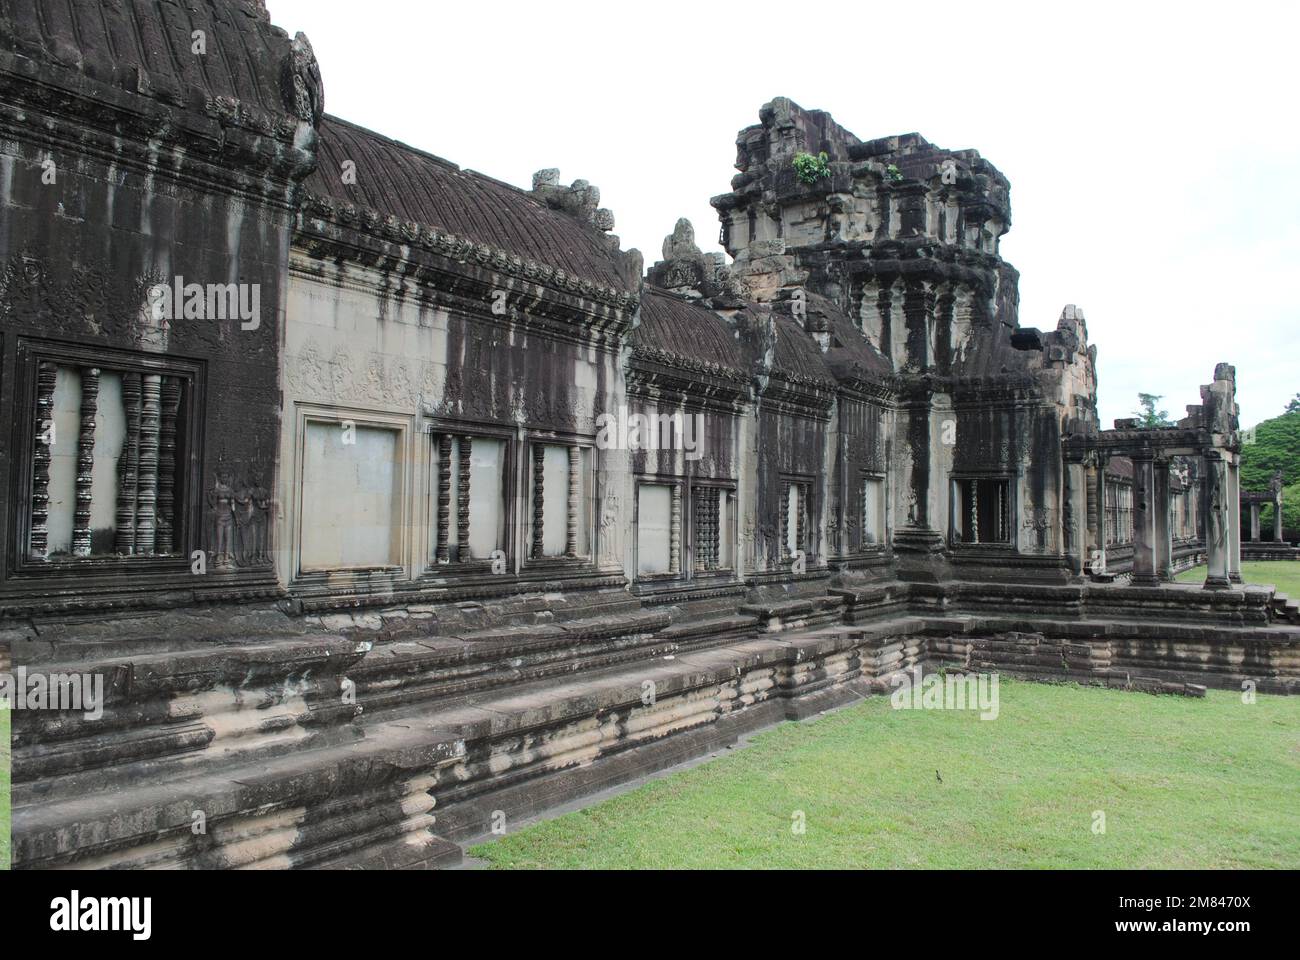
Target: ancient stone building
(383,496)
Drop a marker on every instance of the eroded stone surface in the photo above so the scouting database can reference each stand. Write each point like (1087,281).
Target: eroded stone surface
(476,514)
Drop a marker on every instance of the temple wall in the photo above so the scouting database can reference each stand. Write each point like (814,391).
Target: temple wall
(84,246)
(367,356)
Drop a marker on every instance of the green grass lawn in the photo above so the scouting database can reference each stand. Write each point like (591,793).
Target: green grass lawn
(1283,574)
(1183,783)
(4,788)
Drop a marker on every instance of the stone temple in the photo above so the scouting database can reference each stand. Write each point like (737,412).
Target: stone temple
(383,497)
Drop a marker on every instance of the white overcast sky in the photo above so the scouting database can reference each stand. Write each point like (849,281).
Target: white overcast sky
(1153,149)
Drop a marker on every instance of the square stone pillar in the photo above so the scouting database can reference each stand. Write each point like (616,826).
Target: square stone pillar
(1277,520)
(1234,522)
(1164,543)
(1075,525)
(1216,523)
(1096,547)
(1144,523)
(1254,523)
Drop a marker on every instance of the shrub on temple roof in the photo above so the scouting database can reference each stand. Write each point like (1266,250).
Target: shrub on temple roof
(810,169)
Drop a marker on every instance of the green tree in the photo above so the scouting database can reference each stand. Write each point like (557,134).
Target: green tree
(1276,447)
(1294,405)
(1149,416)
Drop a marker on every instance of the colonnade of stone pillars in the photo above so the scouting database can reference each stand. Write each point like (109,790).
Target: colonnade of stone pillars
(1254,522)
(1153,521)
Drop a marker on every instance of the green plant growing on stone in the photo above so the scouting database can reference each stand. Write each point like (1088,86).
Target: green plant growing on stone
(810,169)
(892,173)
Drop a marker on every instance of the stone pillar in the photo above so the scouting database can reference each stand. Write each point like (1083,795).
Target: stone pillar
(1277,520)
(1216,523)
(1144,523)
(1097,517)
(1164,554)
(1076,517)
(1254,523)
(1234,522)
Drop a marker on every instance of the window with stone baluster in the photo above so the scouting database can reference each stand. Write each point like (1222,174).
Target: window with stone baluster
(873,512)
(713,529)
(559,487)
(685,530)
(796,504)
(469,497)
(108,443)
(982,511)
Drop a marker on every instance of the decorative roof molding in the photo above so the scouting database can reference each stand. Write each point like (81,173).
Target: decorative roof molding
(387,227)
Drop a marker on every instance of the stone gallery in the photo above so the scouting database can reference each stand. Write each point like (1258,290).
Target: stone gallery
(383,497)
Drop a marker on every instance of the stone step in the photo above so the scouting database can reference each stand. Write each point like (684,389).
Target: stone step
(371,800)
(1286,608)
(203,707)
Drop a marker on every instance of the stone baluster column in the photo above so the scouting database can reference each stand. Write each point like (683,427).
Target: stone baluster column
(1254,523)
(1216,522)
(1277,519)
(444,498)
(575,479)
(85,462)
(466,449)
(128,466)
(1164,556)
(675,531)
(1144,522)
(146,513)
(47,376)
(539,501)
(1234,522)
(171,401)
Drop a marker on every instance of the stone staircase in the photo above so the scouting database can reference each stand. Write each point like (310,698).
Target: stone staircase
(1286,609)
(382,738)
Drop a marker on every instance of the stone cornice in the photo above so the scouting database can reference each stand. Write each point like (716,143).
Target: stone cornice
(320,212)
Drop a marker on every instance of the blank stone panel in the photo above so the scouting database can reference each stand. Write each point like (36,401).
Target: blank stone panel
(873,503)
(350,496)
(583,536)
(726,548)
(63,460)
(555,522)
(654,528)
(487,518)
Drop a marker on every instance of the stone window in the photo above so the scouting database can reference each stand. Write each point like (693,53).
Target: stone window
(1119,513)
(468,497)
(794,518)
(873,511)
(558,480)
(658,529)
(109,449)
(714,510)
(981,510)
